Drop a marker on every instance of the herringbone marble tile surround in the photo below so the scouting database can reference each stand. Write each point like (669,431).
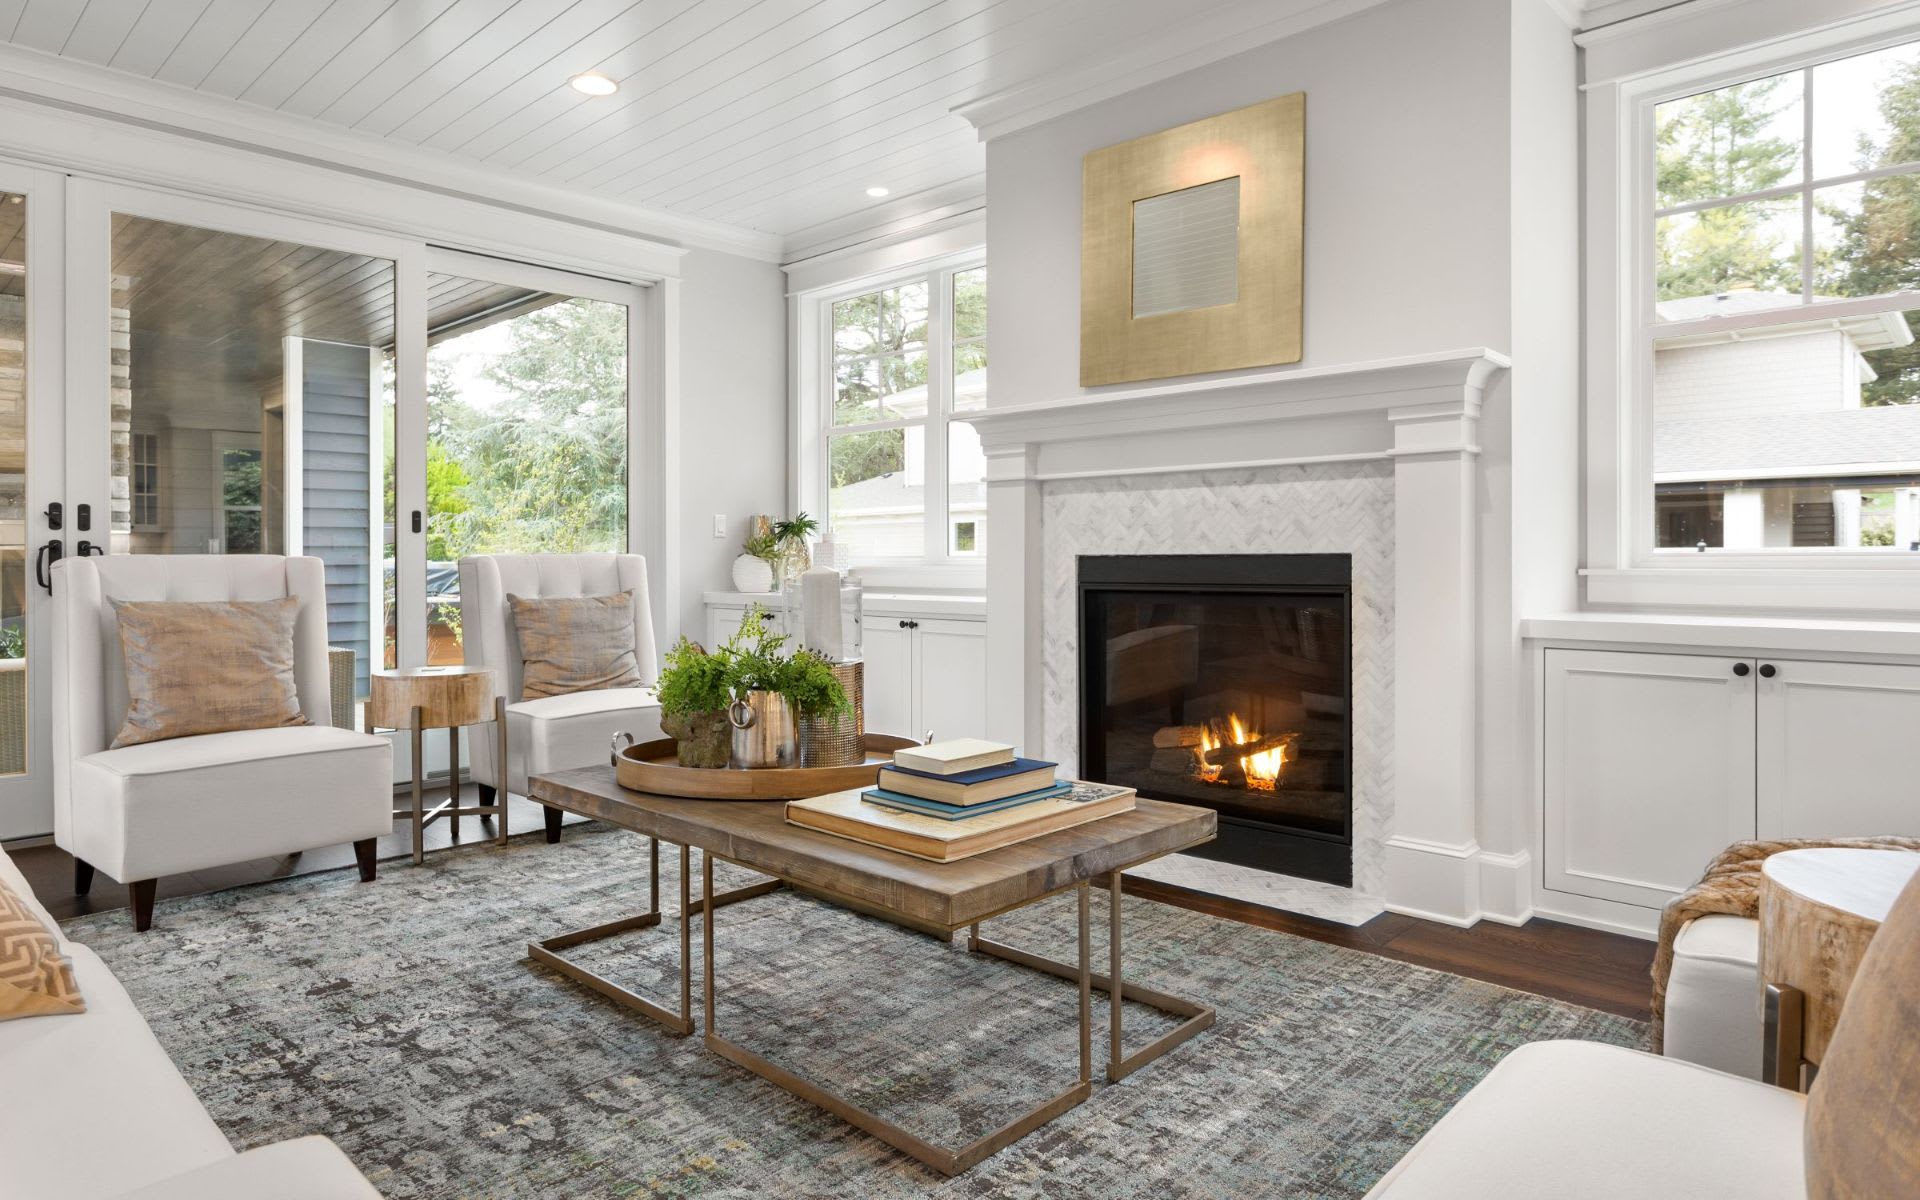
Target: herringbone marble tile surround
(1326,508)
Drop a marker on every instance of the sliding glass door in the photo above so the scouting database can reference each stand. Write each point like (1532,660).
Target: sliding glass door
(30,478)
(526,447)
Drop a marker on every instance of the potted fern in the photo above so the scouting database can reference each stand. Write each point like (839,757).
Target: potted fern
(693,690)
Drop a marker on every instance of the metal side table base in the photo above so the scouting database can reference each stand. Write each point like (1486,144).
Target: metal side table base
(682,1022)
(947,1161)
(1119,1063)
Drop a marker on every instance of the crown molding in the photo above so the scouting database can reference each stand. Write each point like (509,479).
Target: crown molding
(1188,46)
(40,78)
(921,213)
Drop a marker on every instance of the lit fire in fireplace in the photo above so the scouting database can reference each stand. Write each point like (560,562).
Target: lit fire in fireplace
(1261,766)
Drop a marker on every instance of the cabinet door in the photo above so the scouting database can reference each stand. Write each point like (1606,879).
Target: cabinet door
(1836,750)
(1649,769)
(722,623)
(887,647)
(950,678)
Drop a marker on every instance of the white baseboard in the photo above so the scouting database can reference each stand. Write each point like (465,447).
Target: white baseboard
(1458,885)
(1608,916)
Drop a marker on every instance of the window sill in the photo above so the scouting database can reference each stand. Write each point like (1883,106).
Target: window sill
(923,576)
(1890,588)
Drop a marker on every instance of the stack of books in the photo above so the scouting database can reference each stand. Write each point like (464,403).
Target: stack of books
(949,800)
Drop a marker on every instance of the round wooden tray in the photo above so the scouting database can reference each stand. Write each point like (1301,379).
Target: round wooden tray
(650,767)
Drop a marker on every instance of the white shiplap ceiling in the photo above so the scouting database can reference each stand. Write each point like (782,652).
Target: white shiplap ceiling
(766,115)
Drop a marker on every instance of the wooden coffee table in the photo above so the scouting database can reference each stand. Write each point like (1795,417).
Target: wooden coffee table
(942,898)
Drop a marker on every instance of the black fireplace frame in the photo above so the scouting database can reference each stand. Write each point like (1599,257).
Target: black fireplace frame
(1309,854)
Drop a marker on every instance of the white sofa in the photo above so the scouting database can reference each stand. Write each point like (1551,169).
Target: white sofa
(92,1108)
(552,733)
(1714,995)
(186,804)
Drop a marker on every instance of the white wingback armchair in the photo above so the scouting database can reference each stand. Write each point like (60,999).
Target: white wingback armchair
(552,733)
(186,804)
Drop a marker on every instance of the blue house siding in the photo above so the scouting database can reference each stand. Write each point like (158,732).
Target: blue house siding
(337,458)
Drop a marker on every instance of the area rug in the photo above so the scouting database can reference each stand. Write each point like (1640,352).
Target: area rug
(401,1019)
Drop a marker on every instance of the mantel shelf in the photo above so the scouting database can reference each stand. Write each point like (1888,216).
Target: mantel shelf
(1375,385)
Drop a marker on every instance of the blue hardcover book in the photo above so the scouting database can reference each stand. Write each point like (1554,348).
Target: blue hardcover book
(957,812)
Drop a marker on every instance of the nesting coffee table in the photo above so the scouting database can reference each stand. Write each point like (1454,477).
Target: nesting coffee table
(940,898)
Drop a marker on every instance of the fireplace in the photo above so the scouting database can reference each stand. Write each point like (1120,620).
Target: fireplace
(1226,680)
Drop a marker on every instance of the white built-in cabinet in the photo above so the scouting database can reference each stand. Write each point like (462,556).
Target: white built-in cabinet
(925,674)
(1654,762)
(925,659)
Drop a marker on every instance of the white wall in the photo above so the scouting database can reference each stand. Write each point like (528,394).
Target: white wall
(733,405)
(1406,178)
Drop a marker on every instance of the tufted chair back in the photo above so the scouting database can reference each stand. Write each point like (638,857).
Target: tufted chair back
(486,620)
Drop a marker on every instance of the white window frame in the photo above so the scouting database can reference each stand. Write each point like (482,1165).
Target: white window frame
(1622,565)
(814,369)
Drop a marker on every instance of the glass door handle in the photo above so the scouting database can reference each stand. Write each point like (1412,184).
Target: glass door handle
(50,553)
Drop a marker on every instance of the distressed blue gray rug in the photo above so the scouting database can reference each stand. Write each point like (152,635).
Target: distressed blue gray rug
(402,1019)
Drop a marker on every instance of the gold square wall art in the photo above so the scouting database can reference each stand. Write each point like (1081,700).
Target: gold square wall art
(1190,251)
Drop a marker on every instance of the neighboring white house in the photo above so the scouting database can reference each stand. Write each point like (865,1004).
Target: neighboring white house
(884,517)
(1761,439)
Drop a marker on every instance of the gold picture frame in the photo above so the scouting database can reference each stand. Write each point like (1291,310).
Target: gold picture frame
(1245,293)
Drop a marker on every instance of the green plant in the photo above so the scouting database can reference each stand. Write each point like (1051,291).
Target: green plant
(796,529)
(693,680)
(13,641)
(755,663)
(762,546)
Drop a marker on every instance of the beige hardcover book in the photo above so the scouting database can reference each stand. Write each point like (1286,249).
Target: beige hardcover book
(953,756)
(846,814)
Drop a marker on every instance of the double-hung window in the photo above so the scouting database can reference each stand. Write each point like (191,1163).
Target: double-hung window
(1774,367)
(897,464)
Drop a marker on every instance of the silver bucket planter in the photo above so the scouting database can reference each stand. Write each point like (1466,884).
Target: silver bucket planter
(765,733)
(834,739)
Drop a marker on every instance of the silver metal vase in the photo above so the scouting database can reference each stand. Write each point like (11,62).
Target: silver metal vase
(765,733)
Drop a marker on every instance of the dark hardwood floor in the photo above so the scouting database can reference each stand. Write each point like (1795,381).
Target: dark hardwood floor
(1582,966)
(1607,971)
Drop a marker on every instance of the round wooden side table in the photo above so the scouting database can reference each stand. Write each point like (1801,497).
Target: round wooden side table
(423,698)
(1818,910)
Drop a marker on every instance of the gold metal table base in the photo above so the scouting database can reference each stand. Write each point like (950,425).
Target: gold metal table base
(1119,1063)
(450,808)
(948,1161)
(682,1021)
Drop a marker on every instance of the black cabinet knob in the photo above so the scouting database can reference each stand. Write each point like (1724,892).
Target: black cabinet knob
(1767,671)
(1741,669)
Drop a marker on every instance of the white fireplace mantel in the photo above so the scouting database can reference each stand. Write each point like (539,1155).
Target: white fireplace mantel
(1420,413)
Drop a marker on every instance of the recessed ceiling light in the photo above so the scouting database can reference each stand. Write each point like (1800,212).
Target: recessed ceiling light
(877,192)
(593,83)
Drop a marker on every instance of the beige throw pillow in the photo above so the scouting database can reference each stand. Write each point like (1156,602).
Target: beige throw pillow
(36,980)
(575,644)
(207,667)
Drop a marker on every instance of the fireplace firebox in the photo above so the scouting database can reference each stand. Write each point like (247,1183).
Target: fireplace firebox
(1226,680)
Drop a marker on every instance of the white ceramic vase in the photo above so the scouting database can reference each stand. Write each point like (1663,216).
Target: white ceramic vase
(752,573)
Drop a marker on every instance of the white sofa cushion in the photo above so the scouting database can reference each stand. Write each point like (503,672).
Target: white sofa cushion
(148,810)
(1713,995)
(308,1168)
(93,1105)
(1583,1121)
(558,733)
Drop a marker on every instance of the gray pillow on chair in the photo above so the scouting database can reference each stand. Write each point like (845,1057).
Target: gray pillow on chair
(207,667)
(575,644)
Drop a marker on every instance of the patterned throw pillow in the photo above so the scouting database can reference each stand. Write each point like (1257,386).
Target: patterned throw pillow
(36,980)
(207,667)
(575,644)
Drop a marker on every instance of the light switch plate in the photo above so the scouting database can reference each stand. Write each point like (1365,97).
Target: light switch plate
(719,525)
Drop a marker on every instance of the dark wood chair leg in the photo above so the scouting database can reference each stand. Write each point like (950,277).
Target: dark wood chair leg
(367,852)
(82,876)
(142,892)
(553,823)
(486,794)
